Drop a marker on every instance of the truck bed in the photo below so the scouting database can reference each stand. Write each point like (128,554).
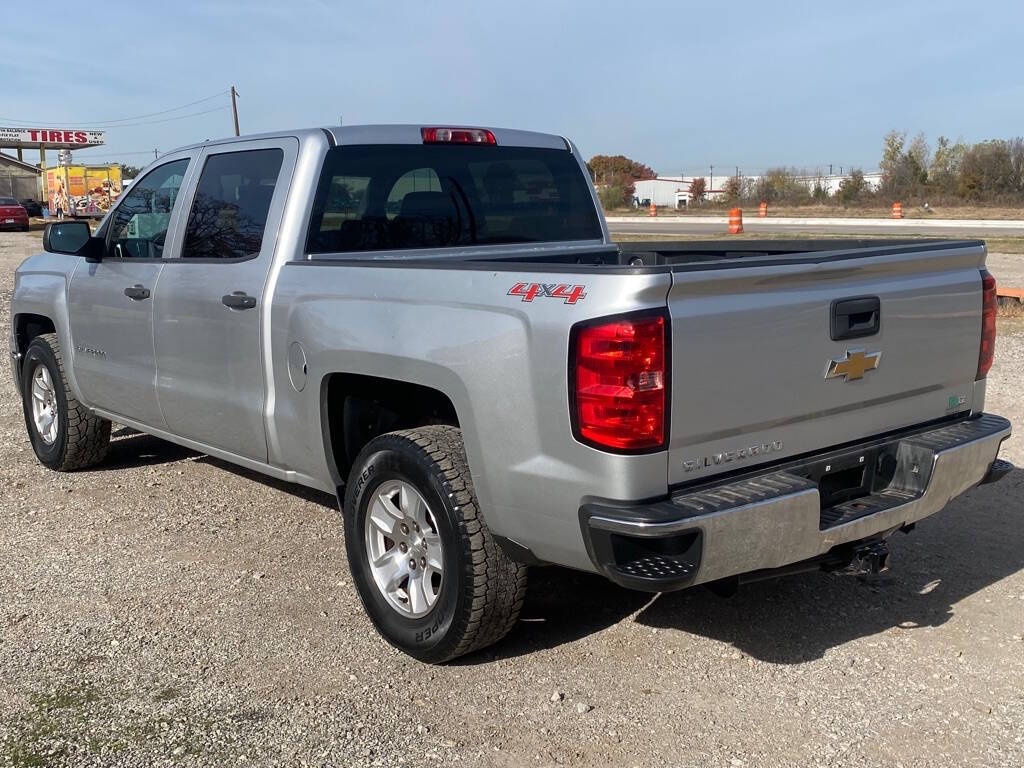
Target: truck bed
(672,254)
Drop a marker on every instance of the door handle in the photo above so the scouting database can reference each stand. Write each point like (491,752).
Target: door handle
(238,300)
(137,293)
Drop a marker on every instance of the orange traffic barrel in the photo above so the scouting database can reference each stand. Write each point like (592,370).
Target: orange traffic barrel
(897,210)
(763,210)
(735,221)
(653,210)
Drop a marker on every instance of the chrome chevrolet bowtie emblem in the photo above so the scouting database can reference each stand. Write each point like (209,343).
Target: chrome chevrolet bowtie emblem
(853,365)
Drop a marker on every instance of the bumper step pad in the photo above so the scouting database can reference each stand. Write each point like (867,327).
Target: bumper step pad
(763,521)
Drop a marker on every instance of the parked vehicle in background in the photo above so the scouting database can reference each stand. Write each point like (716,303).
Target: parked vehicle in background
(432,323)
(32,208)
(13,214)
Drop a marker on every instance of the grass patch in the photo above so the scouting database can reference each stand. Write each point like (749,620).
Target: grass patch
(62,725)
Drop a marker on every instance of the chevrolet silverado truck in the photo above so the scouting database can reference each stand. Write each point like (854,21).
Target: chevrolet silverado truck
(433,324)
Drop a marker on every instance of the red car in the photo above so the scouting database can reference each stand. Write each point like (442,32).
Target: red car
(13,214)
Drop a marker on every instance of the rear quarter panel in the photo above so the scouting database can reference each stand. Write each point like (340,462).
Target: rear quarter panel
(501,360)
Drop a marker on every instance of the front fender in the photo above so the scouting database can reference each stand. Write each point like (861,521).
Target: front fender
(41,288)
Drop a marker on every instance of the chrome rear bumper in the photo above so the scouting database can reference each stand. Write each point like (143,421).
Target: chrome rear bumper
(773,518)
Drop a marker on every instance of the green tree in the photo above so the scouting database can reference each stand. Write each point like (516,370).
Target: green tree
(781,185)
(944,172)
(613,197)
(852,188)
(733,189)
(987,172)
(904,166)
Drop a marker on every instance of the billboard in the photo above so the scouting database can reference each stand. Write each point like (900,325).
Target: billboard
(50,138)
(83,190)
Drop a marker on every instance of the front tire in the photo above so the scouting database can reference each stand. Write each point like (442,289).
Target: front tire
(65,435)
(430,575)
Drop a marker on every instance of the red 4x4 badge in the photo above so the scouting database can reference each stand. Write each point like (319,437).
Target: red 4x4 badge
(530,291)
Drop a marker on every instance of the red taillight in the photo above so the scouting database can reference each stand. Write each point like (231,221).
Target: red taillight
(457,136)
(620,383)
(989,307)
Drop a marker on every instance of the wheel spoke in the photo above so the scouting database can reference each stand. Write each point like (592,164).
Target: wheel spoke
(44,374)
(381,520)
(434,560)
(38,391)
(392,571)
(45,422)
(389,506)
(417,596)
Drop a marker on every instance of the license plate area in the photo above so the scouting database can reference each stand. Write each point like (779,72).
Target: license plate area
(862,482)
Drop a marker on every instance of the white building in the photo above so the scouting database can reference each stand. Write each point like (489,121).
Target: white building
(674,191)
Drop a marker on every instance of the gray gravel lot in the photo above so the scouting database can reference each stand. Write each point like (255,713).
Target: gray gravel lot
(168,609)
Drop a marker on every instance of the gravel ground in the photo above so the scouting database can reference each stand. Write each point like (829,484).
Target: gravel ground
(1008,269)
(168,609)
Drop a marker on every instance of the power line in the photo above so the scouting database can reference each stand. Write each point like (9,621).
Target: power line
(176,117)
(114,122)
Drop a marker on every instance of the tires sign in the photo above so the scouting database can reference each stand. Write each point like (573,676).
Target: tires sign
(50,138)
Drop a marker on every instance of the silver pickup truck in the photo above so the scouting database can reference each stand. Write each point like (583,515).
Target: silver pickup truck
(433,324)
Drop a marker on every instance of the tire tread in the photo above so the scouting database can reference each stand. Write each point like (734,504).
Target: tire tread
(88,435)
(494,585)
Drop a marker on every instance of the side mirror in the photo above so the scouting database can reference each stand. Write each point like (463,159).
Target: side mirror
(73,238)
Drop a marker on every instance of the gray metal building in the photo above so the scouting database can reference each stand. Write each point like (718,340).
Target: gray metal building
(18,179)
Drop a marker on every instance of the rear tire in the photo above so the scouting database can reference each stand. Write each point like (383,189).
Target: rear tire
(481,590)
(74,438)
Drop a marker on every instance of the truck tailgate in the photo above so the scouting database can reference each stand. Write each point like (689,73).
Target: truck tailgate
(752,344)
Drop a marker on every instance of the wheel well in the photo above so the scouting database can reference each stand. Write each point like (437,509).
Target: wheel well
(359,408)
(27,327)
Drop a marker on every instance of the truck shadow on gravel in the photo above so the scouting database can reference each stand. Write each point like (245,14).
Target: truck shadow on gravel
(131,448)
(974,543)
(977,541)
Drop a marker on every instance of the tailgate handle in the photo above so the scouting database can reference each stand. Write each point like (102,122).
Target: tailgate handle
(854,318)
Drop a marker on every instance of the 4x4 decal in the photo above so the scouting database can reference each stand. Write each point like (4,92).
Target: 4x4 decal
(529,291)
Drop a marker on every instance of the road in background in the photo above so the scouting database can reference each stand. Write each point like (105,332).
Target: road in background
(718,225)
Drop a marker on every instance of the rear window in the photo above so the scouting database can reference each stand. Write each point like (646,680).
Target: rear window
(8,201)
(393,197)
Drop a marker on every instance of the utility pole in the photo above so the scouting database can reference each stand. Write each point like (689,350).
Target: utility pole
(830,169)
(155,153)
(234,107)
(711,183)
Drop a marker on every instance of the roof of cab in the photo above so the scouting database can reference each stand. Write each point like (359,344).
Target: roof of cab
(410,134)
(392,134)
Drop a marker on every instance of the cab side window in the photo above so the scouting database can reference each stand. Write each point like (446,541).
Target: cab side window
(138,226)
(229,213)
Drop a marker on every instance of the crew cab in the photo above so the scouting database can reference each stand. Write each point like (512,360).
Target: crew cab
(432,323)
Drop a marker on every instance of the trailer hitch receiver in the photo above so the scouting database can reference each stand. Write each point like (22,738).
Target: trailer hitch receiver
(867,559)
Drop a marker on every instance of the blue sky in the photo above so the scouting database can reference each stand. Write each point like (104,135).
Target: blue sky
(677,85)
